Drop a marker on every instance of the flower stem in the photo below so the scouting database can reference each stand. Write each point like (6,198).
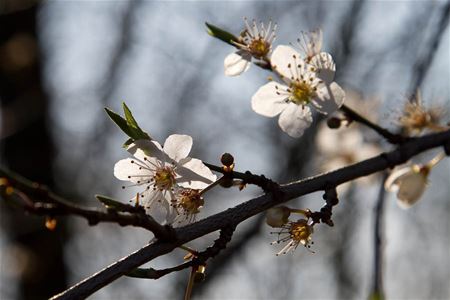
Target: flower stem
(306,213)
(435,160)
(190,285)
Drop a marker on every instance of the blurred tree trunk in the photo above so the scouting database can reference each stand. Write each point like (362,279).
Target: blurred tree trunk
(27,148)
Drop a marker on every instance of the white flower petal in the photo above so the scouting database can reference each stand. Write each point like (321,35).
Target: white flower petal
(142,149)
(236,63)
(267,102)
(391,183)
(411,188)
(129,169)
(295,119)
(282,57)
(156,204)
(194,174)
(325,66)
(329,98)
(178,146)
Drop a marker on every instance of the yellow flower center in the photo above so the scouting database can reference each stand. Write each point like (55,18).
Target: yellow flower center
(164,178)
(191,201)
(301,92)
(259,47)
(300,232)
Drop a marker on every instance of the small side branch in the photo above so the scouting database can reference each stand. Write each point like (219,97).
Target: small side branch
(377,284)
(39,200)
(389,136)
(200,259)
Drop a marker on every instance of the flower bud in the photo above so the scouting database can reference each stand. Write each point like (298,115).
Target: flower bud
(277,216)
(50,223)
(334,122)
(409,183)
(227,160)
(199,275)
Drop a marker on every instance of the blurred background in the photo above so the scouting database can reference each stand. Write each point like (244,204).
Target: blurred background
(62,62)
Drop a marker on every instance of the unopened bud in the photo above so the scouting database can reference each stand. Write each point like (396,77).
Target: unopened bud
(277,216)
(200,273)
(50,223)
(334,122)
(228,162)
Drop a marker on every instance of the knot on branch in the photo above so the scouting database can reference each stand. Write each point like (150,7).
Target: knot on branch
(266,184)
(326,212)
(220,243)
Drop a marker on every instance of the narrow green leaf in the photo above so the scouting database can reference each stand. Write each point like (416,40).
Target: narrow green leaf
(221,34)
(132,123)
(129,116)
(127,143)
(121,122)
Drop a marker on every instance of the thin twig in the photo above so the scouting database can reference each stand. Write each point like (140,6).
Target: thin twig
(389,136)
(254,206)
(43,202)
(377,285)
(423,65)
(199,259)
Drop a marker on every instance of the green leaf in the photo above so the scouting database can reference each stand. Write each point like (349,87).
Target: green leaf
(129,125)
(127,143)
(221,34)
(138,132)
(121,122)
(129,116)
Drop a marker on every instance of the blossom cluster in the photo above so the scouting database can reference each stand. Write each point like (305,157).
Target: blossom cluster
(171,182)
(169,179)
(308,77)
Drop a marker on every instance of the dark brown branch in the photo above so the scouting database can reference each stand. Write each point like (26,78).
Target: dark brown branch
(263,182)
(41,201)
(201,258)
(236,215)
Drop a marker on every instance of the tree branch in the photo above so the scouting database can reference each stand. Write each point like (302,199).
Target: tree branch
(201,258)
(236,215)
(389,136)
(377,283)
(39,200)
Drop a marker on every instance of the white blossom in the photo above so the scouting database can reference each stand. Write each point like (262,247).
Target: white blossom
(161,170)
(310,45)
(302,87)
(409,182)
(253,42)
(294,234)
